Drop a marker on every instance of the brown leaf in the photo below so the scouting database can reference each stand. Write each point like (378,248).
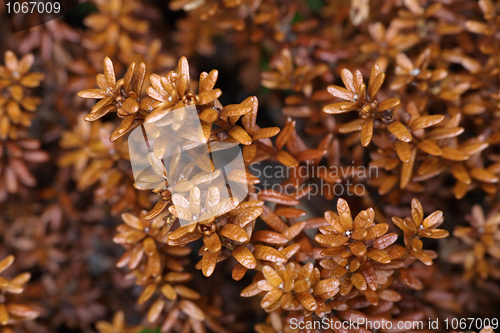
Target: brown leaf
(225,206)
(286,159)
(240,135)
(32,80)
(168,291)
(422,256)
(99,113)
(310,154)
(332,240)
(285,134)
(92,93)
(358,280)
(267,253)
(265,133)
(243,255)
(186,292)
(358,248)
(251,290)
(375,84)
(146,293)
(379,256)
(433,233)
(170,319)
(341,93)
(270,298)
(155,310)
(432,219)
(376,231)
(212,242)
(239,271)
(130,106)
(289,212)
(132,221)
(366,132)
(404,225)
(4,315)
(307,300)
(400,131)
(149,246)
(249,153)
(403,150)
(208,82)
(388,104)
(389,295)
(474,148)
(353,126)
(444,133)
(426,121)
(340,107)
(158,208)
(483,175)
(234,232)
(11,61)
(14,111)
(208,96)
(407,169)
(430,147)
(109,72)
(232,110)
(247,215)
(270,237)
(454,154)
(478,28)
(325,286)
(192,310)
(348,79)
(290,250)
(384,241)
(344,214)
(294,230)
(271,276)
(273,220)
(334,220)
(208,115)
(250,118)
(6,262)
(369,275)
